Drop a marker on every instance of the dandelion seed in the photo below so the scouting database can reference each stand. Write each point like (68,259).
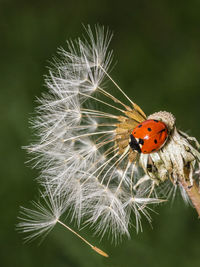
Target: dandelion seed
(40,220)
(91,159)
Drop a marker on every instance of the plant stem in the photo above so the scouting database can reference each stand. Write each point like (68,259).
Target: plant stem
(193,193)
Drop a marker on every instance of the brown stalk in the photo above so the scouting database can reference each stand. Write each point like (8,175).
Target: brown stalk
(193,192)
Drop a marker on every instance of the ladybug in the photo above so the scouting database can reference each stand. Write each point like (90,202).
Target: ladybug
(148,137)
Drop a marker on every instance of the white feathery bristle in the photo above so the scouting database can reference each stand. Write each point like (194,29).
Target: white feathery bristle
(40,220)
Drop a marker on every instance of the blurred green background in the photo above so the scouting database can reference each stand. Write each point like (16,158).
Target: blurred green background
(157,47)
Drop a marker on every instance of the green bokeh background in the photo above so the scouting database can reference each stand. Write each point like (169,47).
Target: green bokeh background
(157,47)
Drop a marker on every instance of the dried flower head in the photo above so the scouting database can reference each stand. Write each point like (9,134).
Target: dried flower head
(88,164)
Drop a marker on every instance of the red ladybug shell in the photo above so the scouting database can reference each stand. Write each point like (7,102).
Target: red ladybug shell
(149,136)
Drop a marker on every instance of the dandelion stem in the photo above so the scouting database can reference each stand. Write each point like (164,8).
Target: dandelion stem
(193,193)
(98,250)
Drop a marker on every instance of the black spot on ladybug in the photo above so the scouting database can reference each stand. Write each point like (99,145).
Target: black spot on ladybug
(141,141)
(139,126)
(155,141)
(145,151)
(156,120)
(149,129)
(134,132)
